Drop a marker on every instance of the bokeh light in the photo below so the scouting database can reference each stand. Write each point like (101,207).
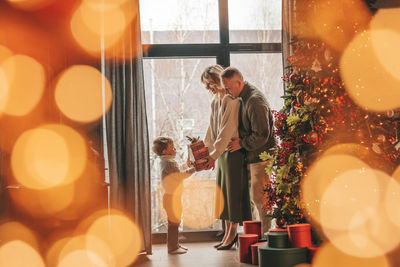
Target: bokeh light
(82,258)
(200,208)
(349,193)
(328,20)
(386,39)
(121,235)
(30,4)
(43,203)
(368,83)
(363,227)
(105,3)
(13,230)
(392,197)
(54,251)
(5,53)
(80,93)
(17,253)
(329,256)
(98,27)
(351,149)
(26,82)
(319,177)
(48,156)
(86,248)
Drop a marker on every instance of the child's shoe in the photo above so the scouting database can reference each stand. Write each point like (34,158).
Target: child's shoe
(185,248)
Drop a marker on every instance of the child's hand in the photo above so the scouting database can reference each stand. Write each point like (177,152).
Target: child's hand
(189,163)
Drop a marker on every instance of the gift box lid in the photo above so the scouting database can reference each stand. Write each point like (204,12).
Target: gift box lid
(277,230)
(299,227)
(243,236)
(278,240)
(282,251)
(251,222)
(259,244)
(277,235)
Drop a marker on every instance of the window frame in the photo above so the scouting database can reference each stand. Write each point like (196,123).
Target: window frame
(221,51)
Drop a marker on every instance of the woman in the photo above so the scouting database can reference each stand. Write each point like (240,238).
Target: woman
(231,171)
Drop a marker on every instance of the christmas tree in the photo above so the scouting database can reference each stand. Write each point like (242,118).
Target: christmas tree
(318,114)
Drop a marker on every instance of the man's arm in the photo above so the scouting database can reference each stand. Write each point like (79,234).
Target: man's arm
(260,125)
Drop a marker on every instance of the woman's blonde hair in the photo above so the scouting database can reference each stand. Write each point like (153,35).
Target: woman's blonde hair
(213,72)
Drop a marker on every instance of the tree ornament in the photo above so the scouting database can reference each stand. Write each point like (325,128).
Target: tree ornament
(312,137)
(324,81)
(306,81)
(316,66)
(294,78)
(300,97)
(280,222)
(381,138)
(390,113)
(376,148)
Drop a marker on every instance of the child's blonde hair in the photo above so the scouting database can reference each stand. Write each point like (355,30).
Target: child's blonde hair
(161,143)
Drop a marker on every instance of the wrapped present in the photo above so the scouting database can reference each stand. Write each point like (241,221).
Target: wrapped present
(278,240)
(245,242)
(300,235)
(254,252)
(252,227)
(281,257)
(200,153)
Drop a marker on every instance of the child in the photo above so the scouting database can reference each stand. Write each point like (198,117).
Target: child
(172,183)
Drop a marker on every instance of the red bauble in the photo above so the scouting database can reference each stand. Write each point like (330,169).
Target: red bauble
(306,81)
(280,222)
(294,78)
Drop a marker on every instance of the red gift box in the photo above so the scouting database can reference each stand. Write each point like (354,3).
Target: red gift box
(254,252)
(197,146)
(201,153)
(300,235)
(252,227)
(200,164)
(245,241)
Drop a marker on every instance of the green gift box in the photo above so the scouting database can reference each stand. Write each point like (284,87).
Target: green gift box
(281,257)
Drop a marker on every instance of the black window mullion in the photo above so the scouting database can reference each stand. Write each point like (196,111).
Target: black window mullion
(223,55)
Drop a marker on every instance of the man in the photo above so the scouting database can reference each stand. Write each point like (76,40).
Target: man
(255,136)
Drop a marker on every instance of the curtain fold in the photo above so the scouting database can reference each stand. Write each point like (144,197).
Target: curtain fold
(289,22)
(127,134)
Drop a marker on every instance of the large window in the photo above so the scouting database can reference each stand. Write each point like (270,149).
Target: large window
(179,22)
(179,44)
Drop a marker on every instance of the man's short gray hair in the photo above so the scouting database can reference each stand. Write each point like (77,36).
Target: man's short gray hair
(229,72)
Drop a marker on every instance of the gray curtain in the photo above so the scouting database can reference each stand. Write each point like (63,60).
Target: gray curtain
(127,135)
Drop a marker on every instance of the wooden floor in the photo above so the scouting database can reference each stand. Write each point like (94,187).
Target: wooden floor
(199,255)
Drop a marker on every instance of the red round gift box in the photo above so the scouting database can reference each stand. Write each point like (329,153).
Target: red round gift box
(254,252)
(252,227)
(245,241)
(300,235)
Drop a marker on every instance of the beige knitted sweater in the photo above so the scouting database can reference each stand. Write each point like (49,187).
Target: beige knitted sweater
(224,122)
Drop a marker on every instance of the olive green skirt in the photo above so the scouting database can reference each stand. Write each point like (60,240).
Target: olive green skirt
(233,182)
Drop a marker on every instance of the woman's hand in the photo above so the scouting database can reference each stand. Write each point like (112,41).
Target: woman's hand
(234,144)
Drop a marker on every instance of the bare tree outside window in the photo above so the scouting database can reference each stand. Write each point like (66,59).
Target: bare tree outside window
(177,103)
